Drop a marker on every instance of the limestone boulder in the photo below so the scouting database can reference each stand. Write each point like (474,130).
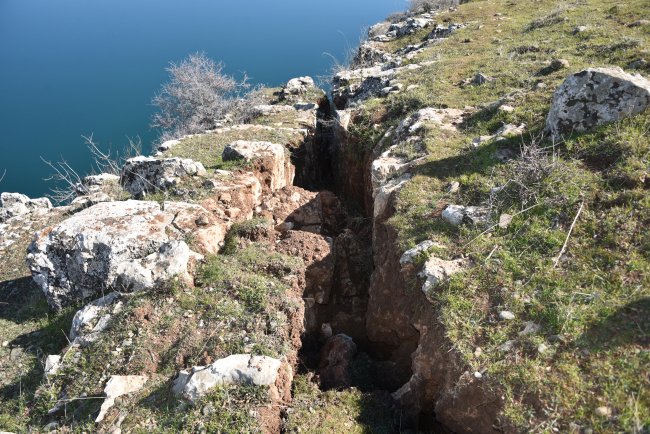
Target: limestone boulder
(297,86)
(16,205)
(596,96)
(410,26)
(272,170)
(235,369)
(142,175)
(378,29)
(79,257)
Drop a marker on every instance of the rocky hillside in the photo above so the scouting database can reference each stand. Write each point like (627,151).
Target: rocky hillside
(454,240)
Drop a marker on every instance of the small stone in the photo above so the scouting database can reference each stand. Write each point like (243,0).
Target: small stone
(560,64)
(640,23)
(202,221)
(477,352)
(555,338)
(115,430)
(580,29)
(539,86)
(542,348)
(16,353)
(5,344)
(637,64)
(588,431)
(508,345)
(603,411)
(51,426)
(208,410)
(574,427)
(233,212)
(453,187)
(506,315)
(478,375)
(505,108)
(412,86)
(127,343)
(530,329)
(505,220)
(200,325)
(225,197)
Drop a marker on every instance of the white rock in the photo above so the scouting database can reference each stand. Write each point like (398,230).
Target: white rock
(384,193)
(530,328)
(85,318)
(242,149)
(16,205)
(235,369)
(142,175)
(297,86)
(414,252)
(508,346)
(101,179)
(510,130)
(78,257)
(596,96)
(52,364)
(506,315)
(446,118)
(476,215)
(436,270)
(117,386)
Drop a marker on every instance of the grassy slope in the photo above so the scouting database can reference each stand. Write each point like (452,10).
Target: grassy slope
(597,299)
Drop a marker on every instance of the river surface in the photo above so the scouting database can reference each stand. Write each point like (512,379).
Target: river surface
(72,68)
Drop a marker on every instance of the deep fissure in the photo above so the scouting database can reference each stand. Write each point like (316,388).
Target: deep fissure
(322,165)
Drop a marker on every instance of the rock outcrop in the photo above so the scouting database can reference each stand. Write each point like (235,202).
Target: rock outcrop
(142,175)
(81,256)
(596,96)
(296,86)
(16,205)
(272,169)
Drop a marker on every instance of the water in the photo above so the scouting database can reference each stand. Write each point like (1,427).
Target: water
(77,67)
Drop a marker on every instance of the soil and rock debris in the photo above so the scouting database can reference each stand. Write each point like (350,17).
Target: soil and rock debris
(438,248)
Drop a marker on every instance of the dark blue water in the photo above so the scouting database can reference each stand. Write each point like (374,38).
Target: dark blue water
(77,67)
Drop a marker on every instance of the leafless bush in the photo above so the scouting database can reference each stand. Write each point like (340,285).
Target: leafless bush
(68,180)
(396,17)
(530,177)
(198,95)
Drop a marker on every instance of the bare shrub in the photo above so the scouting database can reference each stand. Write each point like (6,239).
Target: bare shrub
(198,95)
(530,178)
(68,181)
(396,17)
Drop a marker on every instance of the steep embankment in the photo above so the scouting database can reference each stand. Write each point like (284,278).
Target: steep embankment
(444,246)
